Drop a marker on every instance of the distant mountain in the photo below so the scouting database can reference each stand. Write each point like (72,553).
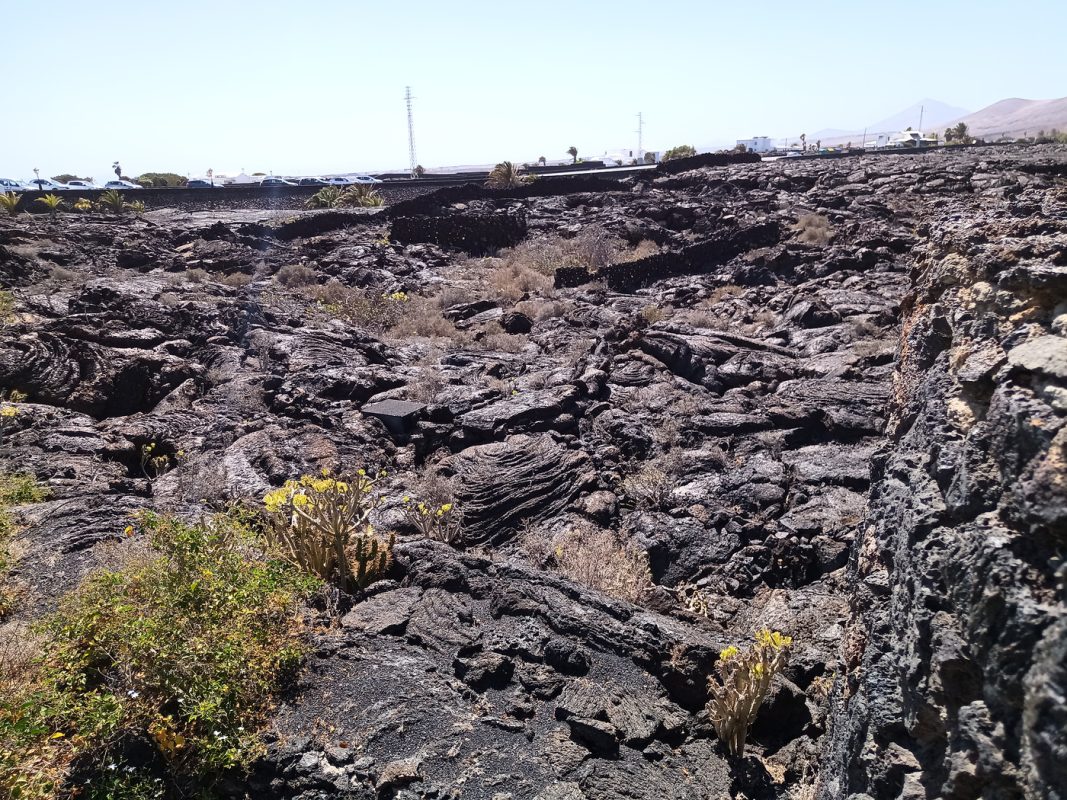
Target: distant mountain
(1015,117)
(933,113)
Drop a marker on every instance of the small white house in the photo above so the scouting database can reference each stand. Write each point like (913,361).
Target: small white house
(757,144)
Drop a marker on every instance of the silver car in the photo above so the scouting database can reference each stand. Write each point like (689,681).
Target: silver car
(122,185)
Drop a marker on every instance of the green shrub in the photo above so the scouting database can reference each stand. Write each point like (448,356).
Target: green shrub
(326,197)
(681,151)
(15,490)
(365,309)
(746,677)
(361,195)
(136,206)
(321,524)
(112,201)
(9,202)
(83,204)
(52,202)
(185,645)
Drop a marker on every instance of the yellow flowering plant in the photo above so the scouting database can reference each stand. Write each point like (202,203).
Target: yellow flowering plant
(744,679)
(434,521)
(322,524)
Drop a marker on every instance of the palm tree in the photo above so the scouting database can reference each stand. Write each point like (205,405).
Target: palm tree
(505,175)
(542,160)
(117,169)
(803,141)
(572,151)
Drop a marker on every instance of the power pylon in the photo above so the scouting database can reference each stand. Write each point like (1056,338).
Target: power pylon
(411,132)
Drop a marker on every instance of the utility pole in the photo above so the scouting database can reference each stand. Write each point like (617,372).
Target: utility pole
(640,137)
(922,109)
(411,132)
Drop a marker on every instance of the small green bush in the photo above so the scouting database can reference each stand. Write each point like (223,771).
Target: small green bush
(15,490)
(363,308)
(186,645)
(9,202)
(326,197)
(113,201)
(52,202)
(361,195)
(681,151)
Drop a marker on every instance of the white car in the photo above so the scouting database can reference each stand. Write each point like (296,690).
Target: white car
(122,185)
(81,185)
(8,185)
(365,179)
(46,185)
(275,181)
(338,181)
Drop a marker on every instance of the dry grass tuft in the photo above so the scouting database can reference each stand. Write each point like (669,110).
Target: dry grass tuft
(813,229)
(643,249)
(235,280)
(650,485)
(653,314)
(294,275)
(541,309)
(596,558)
(512,281)
(422,318)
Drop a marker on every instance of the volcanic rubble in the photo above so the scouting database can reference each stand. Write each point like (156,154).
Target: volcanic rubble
(825,397)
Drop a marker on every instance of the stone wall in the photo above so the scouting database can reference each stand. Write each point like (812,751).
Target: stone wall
(476,234)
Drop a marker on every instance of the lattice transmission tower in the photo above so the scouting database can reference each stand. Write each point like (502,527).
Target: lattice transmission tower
(411,133)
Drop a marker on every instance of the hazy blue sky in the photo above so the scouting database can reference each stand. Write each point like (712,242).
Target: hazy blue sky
(318,85)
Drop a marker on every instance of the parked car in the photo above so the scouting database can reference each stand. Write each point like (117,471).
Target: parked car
(365,179)
(272,181)
(338,181)
(9,185)
(46,185)
(312,182)
(81,185)
(199,183)
(122,185)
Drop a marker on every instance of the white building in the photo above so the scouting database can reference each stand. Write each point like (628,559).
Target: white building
(757,144)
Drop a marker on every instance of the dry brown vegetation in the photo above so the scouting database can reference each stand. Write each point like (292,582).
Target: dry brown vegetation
(596,558)
(294,275)
(512,281)
(364,309)
(541,309)
(421,317)
(653,314)
(649,486)
(813,229)
(235,280)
